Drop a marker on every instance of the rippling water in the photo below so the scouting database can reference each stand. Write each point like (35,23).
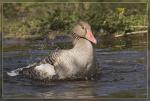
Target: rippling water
(123,75)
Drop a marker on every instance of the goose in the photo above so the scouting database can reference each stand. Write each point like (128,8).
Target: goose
(75,63)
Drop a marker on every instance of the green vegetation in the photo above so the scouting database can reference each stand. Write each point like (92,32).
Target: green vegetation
(74,0)
(34,20)
(46,20)
(126,94)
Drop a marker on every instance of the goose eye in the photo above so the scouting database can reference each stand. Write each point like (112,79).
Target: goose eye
(82,27)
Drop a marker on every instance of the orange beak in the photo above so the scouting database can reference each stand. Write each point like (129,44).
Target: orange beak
(91,37)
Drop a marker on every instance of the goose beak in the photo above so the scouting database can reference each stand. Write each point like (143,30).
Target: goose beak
(90,37)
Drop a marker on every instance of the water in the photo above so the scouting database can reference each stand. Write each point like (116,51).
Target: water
(123,75)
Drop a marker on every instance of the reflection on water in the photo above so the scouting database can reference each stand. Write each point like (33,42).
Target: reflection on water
(123,75)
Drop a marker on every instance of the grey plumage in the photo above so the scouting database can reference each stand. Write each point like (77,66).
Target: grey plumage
(75,63)
(33,73)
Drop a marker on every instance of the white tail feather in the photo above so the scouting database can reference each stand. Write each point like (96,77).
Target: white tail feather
(16,71)
(12,73)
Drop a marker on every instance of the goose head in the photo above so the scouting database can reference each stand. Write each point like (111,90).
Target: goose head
(83,30)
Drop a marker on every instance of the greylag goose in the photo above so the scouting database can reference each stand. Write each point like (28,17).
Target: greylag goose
(75,63)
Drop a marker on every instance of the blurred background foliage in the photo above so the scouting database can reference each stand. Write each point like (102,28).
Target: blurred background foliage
(40,19)
(33,20)
(74,0)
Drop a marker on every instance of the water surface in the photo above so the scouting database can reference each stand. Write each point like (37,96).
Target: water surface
(123,75)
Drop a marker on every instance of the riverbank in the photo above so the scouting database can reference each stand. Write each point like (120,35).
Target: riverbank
(132,41)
